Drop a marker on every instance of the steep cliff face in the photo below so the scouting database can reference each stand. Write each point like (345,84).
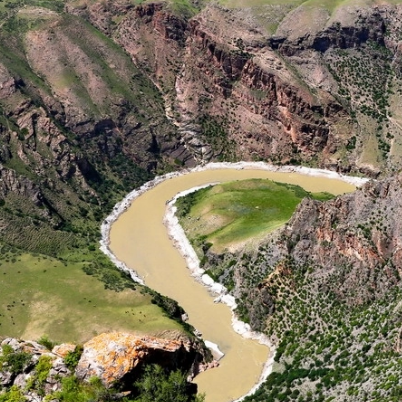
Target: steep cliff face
(255,96)
(349,246)
(344,27)
(320,88)
(360,232)
(119,357)
(326,289)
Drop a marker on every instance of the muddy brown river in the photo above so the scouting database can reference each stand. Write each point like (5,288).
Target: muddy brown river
(139,238)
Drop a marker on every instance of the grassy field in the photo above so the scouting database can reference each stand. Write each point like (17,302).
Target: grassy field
(231,214)
(44,289)
(41,295)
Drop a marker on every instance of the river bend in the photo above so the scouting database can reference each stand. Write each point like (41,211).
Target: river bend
(139,238)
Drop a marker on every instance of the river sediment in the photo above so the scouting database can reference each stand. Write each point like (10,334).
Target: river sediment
(139,267)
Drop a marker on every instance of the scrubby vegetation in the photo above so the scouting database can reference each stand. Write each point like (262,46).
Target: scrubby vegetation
(330,346)
(329,350)
(214,132)
(366,81)
(156,385)
(14,361)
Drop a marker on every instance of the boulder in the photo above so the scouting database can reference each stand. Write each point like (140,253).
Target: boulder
(119,356)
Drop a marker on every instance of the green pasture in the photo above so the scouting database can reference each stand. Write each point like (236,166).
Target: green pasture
(41,295)
(233,213)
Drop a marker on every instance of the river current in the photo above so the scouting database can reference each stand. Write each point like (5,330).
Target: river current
(139,238)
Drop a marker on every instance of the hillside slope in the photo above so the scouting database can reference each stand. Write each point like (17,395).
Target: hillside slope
(152,87)
(80,127)
(312,83)
(97,97)
(327,289)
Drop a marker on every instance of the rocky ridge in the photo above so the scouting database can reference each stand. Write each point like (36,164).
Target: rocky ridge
(326,289)
(147,88)
(284,96)
(115,356)
(350,245)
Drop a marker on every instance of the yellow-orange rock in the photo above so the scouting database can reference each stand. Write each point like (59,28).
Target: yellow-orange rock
(114,356)
(64,349)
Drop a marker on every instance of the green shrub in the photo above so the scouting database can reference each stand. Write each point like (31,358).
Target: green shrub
(42,369)
(72,358)
(13,395)
(46,342)
(13,361)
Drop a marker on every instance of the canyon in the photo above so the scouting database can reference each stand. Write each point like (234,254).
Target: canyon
(98,97)
(126,92)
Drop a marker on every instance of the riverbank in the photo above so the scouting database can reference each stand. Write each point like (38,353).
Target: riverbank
(122,206)
(185,248)
(182,244)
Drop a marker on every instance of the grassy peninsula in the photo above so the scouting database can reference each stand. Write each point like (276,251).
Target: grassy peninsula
(334,341)
(229,215)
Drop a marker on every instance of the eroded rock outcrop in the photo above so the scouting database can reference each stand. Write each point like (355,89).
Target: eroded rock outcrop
(114,358)
(349,247)
(18,367)
(356,237)
(119,357)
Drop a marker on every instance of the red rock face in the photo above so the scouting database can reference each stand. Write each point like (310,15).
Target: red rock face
(349,247)
(276,96)
(357,236)
(202,70)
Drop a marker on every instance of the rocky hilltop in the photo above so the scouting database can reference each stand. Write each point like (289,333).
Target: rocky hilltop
(115,359)
(351,245)
(327,289)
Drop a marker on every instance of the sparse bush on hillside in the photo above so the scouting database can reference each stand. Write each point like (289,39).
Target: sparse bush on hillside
(14,361)
(156,385)
(73,358)
(46,342)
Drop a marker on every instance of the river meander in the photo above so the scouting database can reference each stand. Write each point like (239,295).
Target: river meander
(139,239)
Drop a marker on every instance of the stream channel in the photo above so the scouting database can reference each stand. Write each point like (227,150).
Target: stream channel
(139,238)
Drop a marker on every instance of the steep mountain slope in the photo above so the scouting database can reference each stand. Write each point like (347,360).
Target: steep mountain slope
(80,126)
(78,120)
(315,82)
(326,288)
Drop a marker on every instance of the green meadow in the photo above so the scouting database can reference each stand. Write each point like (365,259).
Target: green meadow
(41,295)
(229,215)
